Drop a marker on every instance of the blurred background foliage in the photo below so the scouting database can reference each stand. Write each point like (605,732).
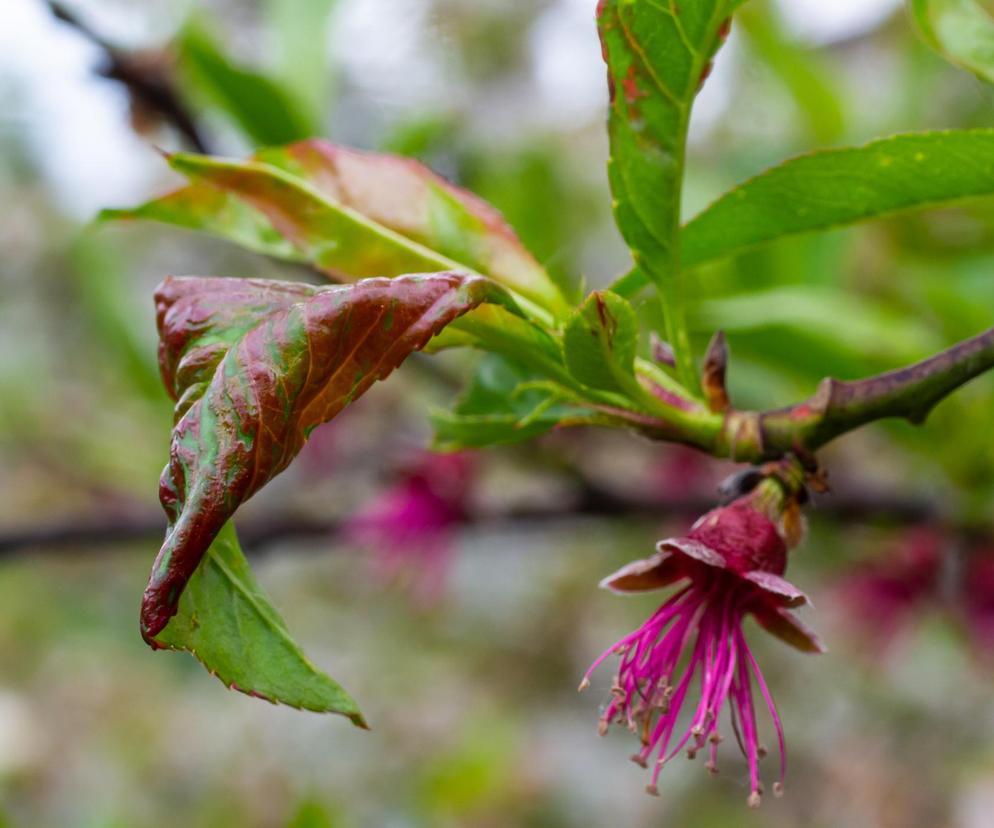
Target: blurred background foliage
(472,699)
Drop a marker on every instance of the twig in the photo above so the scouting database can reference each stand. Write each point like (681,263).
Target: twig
(835,409)
(146,77)
(909,393)
(261,535)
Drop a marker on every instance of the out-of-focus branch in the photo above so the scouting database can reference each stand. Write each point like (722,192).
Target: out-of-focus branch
(146,75)
(262,534)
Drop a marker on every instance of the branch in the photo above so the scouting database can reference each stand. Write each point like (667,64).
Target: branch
(146,77)
(260,535)
(840,407)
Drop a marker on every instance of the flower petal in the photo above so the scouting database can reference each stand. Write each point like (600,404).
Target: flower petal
(789,629)
(661,570)
(787,594)
(693,549)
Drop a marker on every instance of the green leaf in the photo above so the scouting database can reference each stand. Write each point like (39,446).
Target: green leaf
(837,187)
(960,30)
(258,393)
(506,403)
(262,109)
(658,55)
(207,209)
(229,624)
(630,283)
(495,329)
(600,343)
(833,188)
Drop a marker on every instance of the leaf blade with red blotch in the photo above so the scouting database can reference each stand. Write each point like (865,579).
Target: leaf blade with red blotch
(657,56)
(296,368)
(331,236)
(200,318)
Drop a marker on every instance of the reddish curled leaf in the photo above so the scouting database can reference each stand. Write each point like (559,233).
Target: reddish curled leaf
(199,319)
(296,368)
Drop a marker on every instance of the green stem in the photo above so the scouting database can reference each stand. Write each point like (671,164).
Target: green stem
(677,333)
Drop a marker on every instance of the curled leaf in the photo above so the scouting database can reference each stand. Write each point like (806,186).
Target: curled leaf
(295,368)
(200,318)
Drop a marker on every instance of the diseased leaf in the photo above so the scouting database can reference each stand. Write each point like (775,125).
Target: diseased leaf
(201,318)
(506,403)
(228,623)
(600,342)
(833,188)
(351,214)
(296,368)
(960,30)
(658,55)
(262,109)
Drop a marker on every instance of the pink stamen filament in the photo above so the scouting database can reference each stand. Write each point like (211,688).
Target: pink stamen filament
(650,689)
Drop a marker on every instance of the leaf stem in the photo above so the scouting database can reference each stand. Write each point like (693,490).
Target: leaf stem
(677,334)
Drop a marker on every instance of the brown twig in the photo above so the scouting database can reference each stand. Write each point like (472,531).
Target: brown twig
(909,393)
(146,76)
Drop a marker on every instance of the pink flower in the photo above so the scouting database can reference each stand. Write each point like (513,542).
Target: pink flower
(728,566)
(410,527)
